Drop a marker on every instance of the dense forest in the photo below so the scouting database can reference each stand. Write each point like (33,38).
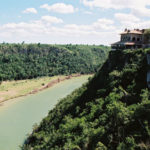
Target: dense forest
(110,112)
(26,61)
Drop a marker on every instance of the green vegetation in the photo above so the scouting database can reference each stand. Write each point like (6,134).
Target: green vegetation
(27,61)
(147,36)
(110,112)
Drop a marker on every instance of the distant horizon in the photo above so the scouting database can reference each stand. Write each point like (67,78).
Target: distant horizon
(53,43)
(91,22)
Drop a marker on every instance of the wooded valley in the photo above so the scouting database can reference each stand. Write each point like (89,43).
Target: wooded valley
(27,61)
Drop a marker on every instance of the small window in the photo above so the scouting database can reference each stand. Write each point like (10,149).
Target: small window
(129,38)
(133,39)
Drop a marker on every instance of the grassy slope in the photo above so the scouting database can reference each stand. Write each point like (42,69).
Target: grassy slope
(110,112)
(13,89)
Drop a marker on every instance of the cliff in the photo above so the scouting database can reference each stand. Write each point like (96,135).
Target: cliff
(110,112)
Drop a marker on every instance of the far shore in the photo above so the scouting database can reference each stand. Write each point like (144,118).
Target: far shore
(14,89)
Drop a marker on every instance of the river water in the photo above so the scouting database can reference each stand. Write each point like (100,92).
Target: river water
(18,116)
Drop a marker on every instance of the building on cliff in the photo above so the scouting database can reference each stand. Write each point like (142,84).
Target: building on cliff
(132,39)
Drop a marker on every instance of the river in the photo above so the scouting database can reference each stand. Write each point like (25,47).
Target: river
(18,116)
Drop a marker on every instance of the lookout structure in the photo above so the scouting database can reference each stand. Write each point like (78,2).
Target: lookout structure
(131,39)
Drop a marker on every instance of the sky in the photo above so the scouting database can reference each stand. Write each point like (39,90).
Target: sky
(70,21)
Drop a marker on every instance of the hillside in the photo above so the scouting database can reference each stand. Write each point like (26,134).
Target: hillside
(110,112)
(27,61)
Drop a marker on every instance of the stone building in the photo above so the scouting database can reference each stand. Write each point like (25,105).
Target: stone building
(131,39)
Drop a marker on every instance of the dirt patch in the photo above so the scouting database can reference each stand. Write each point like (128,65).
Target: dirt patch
(12,93)
(52,83)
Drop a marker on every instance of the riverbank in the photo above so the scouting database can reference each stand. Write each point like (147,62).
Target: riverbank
(19,115)
(14,89)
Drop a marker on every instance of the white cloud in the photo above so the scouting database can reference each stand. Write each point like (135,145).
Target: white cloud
(141,12)
(131,21)
(97,3)
(139,25)
(105,21)
(44,30)
(137,7)
(143,24)
(30,10)
(104,24)
(127,20)
(122,17)
(51,19)
(101,25)
(25,29)
(88,12)
(59,8)
(116,4)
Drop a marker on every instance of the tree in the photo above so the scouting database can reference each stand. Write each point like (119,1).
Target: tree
(147,36)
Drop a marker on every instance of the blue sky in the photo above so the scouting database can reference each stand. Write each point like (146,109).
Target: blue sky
(70,21)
